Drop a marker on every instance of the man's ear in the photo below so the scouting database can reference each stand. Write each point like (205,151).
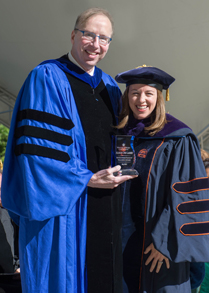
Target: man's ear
(72,36)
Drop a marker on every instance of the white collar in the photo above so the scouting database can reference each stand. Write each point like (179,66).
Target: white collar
(70,57)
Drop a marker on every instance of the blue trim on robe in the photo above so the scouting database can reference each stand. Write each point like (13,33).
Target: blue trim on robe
(47,197)
(111,85)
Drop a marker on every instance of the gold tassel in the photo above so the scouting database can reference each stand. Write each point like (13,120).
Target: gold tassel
(1,165)
(167,95)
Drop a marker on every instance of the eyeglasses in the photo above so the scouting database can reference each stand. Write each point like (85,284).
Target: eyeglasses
(103,40)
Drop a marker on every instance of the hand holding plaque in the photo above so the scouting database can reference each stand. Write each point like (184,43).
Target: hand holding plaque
(123,154)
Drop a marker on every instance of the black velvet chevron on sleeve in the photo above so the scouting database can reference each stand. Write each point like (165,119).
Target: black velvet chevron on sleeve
(45,117)
(42,133)
(195,229)
(191,186)
(196,206)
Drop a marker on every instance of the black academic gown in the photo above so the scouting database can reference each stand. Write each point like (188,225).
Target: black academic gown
(104,250)
(167,205)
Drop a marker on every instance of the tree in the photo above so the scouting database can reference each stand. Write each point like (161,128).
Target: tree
(4,132)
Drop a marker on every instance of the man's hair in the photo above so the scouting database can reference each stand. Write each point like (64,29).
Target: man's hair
(158,116)
(84,16)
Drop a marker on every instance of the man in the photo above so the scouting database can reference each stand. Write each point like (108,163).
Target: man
(60,143)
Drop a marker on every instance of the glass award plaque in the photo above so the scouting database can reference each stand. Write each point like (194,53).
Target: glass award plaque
(123,154)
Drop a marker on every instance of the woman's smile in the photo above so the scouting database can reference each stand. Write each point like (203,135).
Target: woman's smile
(142,100)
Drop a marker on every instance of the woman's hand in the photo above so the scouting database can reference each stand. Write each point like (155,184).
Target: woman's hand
(157,258)
(106,179)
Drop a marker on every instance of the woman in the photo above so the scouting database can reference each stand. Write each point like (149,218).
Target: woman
(204,288)
(170,195)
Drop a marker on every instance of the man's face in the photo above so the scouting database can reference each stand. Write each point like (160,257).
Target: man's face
(89,53)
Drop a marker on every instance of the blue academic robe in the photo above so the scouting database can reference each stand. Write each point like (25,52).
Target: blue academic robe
(45,178)
(167,205)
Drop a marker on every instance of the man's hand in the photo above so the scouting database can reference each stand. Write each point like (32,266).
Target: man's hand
(156,257)
(105,178)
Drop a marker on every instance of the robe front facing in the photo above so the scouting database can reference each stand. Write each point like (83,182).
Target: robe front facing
(167,205)
(45,179)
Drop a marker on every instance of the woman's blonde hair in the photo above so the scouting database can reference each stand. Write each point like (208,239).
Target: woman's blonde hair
(158,116)
(204,154)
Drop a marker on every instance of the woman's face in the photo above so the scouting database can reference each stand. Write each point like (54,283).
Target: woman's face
(142,100)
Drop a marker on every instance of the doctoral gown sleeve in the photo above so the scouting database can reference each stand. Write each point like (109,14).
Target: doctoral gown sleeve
(45,170)
(182,230)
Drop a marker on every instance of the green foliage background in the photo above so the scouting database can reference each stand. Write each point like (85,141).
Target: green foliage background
(4,131)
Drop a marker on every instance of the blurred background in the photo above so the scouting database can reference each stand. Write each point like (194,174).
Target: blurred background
(171,35)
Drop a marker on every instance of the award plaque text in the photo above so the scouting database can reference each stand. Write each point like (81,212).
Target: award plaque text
(123,154)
